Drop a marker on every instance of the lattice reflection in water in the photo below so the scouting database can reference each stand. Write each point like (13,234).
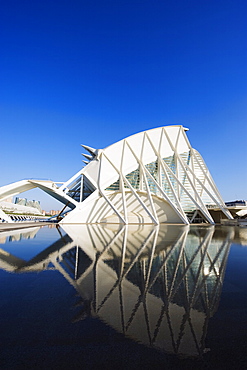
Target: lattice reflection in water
(158,285)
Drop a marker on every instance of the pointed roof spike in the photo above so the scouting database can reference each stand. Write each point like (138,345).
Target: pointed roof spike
(89,149)
(87,156)
(86,162)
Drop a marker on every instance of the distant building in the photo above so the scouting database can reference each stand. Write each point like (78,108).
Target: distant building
(21,207)
(28,203)
(238,208)
(236,203)
(53,212)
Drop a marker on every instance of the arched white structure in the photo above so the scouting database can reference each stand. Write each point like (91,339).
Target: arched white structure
(48,187)
(151,177)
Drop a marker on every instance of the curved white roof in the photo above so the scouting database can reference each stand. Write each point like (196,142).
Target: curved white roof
(152,176)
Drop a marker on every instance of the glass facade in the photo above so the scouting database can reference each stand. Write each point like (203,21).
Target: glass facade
(168,181)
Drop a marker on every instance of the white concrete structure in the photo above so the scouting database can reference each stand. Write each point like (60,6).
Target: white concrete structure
(154,176)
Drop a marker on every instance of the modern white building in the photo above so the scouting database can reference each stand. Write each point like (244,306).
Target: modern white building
(154,176)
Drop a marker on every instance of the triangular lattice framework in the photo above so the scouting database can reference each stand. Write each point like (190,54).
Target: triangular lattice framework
(182,178)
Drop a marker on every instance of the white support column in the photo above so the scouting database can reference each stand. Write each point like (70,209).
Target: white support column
(202,206)
(181,215)
(209,193)
(134,192)
(150,198)
(81,191)
(121,185)
(178,209)
(210,180)
(105,197)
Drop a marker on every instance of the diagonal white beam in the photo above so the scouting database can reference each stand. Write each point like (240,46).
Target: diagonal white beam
(179,210)
(103,194)
(134,192)
(226,212)
(202,206)
(206,173)
(146,183)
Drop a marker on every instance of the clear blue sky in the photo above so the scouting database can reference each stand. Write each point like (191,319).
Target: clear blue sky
(93,72)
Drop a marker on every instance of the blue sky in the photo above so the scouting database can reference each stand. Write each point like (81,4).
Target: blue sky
(93,72)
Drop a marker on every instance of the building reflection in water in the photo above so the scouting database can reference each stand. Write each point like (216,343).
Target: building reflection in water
(157,285)
(17,235)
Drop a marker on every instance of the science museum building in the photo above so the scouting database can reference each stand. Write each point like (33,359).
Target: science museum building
(154,176)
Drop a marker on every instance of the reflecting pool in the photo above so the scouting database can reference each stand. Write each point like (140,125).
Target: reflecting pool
(94,296)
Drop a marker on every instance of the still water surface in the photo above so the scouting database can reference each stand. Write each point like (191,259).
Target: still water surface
(102,297)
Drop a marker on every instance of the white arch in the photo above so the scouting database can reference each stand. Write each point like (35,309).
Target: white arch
(48,187)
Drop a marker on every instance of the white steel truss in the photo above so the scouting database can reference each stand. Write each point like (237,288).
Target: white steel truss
(151,177)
